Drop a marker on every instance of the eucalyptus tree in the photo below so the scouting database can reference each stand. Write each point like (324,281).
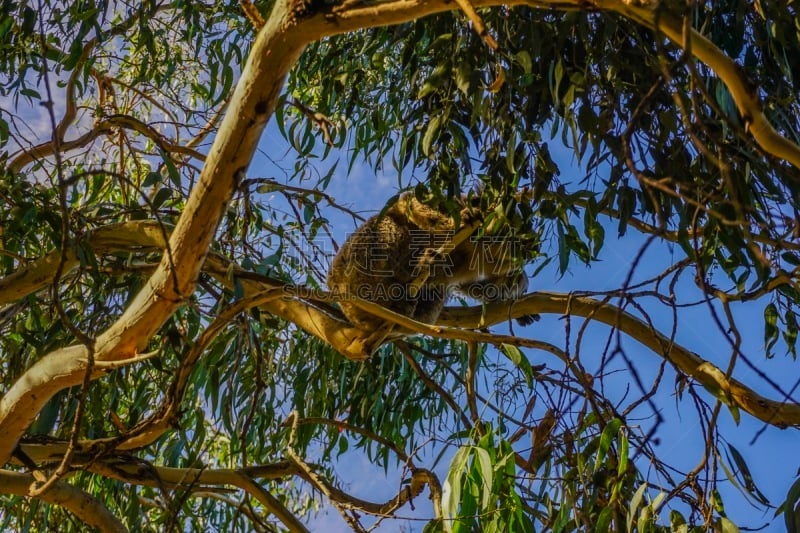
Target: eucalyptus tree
(170,359)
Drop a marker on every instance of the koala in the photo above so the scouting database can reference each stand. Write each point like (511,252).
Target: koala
(401,259)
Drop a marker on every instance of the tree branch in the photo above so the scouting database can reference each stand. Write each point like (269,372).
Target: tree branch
(88,509)
(777,413)
(136,472)
(742,91)
(275,50)
(132,470)
(290,27)
(352,16)
(104,126)
(328,325)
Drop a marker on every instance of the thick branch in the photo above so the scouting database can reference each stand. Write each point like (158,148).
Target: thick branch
(357,15)
(278,45)
(275,50)
(777,413)
(89,510)
(742,91)
(326,325)
(131,470)
(48,148)
(186,478)
(105,126)
(189,478)
(39,273)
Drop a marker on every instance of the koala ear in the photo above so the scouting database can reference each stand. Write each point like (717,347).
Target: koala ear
(396,202)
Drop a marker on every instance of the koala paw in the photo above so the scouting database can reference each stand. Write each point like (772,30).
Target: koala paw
(527,320)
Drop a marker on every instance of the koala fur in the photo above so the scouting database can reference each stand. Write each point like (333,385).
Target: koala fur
(398,259)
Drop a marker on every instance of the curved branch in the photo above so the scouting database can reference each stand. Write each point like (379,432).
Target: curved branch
(132,470)
(327,324)
(104,126)
(133,123)
(48,148)
(88,509)
(270,502)
(275,50)
(341,499)
(742,91)
(71,110)
(777,413)
(355,15)
(38,274)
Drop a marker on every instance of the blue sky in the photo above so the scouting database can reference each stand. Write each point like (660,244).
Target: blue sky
(771,458)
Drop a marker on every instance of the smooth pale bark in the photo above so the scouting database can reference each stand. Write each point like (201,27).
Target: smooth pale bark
(275,50)
(777,413)
(89,510)
(334,330)
(39,273)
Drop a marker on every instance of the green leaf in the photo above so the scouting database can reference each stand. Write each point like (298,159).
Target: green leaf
(172,170)
(6,23)
(726,526)
(151,179)
(563,251)
(726,103)
(463,77)
(267,188)
(557,72)
(161,196)
(46,420)
(30,93)
(520,361)
(734,410)
(622,467)
(790,332)
(484,467)
(676,520)
(451,489)
(603,523)
(787,507)
(308,212)
(791,258)
(523,58)
(606,438)
(770,327)
(513,353)
(344,444)
(634,504)
(716,501)
(746,476)
(431,133)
